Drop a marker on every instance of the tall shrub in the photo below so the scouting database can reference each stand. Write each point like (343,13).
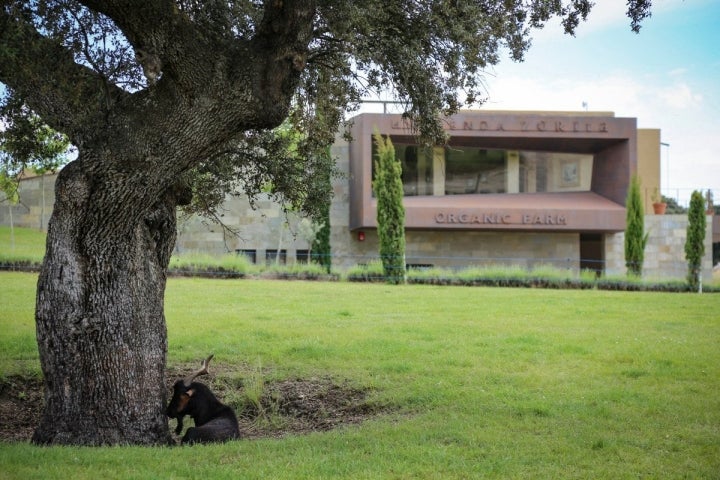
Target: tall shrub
(321,253)
(387,185)
(695,240)
(635,236)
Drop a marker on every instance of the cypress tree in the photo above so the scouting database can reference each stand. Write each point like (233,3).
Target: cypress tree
(390,211)
(320,248)
(695,240)
(635,236)
(321,244)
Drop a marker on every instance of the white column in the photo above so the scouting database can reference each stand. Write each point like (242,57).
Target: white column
(438,171)
(512,164)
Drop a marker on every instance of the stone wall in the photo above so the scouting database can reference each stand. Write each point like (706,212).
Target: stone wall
(461,249)
(266,228)
(37,196)
(665,250)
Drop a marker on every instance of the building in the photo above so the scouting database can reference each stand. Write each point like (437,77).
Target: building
(512,188)
(520,188)
(525,188)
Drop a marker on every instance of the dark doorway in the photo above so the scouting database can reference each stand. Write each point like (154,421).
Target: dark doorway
(592,252)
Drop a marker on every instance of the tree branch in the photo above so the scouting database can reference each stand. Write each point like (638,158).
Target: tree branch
(142,21)
(281,42)
(165,40)
(65,94)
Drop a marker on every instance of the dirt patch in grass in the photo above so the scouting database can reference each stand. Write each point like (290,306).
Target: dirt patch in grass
(288,407)
(21,400)
(300,406)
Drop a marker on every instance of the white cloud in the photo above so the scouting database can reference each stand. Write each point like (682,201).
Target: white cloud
(675,107)
(677,72)
(612,93)
(680,96)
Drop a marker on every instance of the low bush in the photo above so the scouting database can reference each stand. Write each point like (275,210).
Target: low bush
(210,265)
(371,271)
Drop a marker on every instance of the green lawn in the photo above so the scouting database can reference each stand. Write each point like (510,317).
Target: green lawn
(21,244)
(484,382)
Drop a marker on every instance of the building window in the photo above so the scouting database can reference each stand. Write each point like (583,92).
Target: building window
(471,170)
(460,170)
(272,256)
(250,255)
(475,170)
(555,172)
(302,256)
(417,167)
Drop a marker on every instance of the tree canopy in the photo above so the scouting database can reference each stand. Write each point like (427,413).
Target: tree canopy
(695,239)
(25,141)
(76,62)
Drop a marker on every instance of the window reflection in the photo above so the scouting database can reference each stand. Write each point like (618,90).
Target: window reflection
(417,168)
(472,170)
(475,171)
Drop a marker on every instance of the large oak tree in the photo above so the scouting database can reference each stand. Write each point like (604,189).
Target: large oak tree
(165,99)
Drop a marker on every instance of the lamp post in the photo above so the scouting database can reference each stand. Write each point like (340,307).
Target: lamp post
(667,166)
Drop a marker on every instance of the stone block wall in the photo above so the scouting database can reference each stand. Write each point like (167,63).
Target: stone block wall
(665,250)
(260,230)
(462,249)
(37,196)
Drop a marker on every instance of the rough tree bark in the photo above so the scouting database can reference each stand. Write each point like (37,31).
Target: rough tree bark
(99,315)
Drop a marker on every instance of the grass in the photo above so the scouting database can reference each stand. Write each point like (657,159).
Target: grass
(485,382)
(23,245)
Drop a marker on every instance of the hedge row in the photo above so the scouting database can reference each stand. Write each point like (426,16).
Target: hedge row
(364,274)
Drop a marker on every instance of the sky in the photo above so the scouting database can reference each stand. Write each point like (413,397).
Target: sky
(667,76)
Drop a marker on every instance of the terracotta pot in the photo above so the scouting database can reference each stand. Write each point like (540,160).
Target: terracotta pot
(659,208)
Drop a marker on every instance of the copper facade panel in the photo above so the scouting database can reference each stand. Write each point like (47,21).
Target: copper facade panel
(611,141)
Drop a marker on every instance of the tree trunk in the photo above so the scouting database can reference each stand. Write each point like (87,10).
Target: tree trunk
(100,322)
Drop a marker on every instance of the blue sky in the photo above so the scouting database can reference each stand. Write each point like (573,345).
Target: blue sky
(667,76)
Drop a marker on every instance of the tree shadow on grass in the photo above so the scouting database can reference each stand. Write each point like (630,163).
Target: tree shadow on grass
(282,408)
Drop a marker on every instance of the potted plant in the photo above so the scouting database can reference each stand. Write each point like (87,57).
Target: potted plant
(659,205)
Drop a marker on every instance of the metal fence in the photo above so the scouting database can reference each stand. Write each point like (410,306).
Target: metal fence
(681,196)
